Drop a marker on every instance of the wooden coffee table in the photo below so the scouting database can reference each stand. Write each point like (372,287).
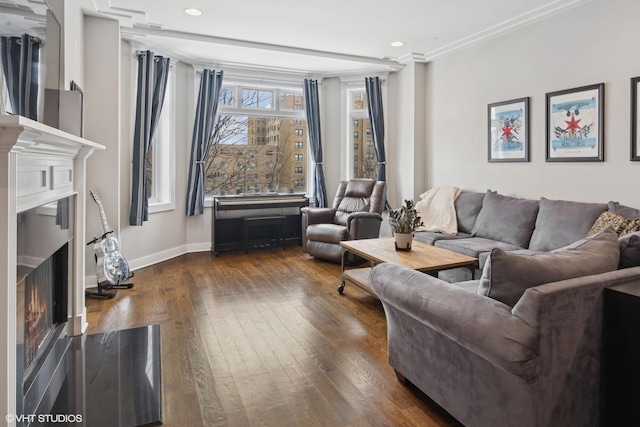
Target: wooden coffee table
(421,257)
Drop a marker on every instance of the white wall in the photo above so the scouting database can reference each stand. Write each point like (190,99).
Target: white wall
(333,152)
(102,118)
(407,169)
(584,46)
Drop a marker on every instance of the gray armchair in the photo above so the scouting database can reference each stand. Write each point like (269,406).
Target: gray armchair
(355,214)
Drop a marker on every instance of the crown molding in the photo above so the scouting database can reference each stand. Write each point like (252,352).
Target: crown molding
(543,12)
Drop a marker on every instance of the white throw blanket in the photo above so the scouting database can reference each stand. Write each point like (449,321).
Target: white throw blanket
(437,211)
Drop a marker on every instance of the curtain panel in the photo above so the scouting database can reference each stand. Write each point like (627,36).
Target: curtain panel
(312,104)
(153,72)
(376,116)
(206,110)
(21,68)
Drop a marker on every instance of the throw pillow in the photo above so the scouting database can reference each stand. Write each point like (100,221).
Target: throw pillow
(506,276)
(633,226)
(561,222)
(619,223)
(629,250)
(623,210)
(468,206)
(507,219)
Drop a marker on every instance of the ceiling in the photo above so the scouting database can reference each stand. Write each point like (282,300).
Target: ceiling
(330,37)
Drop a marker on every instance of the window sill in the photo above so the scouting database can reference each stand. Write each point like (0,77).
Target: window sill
(156,207)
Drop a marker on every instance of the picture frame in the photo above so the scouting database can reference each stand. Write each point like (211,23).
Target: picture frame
(508,131)
(575,124)
(635,119)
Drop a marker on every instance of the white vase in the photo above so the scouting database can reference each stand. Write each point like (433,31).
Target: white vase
(403,241)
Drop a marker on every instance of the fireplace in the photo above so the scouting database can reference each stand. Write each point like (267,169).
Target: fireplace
(42,208)
(43,280)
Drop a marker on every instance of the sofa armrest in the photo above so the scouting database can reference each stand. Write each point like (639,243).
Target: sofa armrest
(480,324)
(568,316)
(363,225)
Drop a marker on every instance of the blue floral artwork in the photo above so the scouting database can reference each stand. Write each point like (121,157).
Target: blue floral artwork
(508,131)
(574,124)
(574,129)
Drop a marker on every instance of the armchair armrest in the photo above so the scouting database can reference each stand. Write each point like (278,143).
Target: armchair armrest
(314,216)
(363,225)
(317,216)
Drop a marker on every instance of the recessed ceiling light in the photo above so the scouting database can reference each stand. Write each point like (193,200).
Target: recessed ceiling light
(193,12)
(397,44)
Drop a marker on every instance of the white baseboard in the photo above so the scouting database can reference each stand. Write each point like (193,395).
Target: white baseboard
(146,261)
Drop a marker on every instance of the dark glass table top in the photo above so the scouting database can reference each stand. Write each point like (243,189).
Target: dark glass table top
(114,380)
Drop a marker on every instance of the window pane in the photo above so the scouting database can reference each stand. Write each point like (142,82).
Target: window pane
(291,100)
(364,155)
(227,96)
(250,154)
(254,98)
(358,101)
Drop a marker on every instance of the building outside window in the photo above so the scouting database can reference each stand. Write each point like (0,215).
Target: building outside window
(258,130)
(364,160)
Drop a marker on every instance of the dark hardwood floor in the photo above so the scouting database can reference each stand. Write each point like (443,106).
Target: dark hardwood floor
(265,339)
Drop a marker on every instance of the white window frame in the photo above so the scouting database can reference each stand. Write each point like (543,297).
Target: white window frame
(242,79)
(164,153)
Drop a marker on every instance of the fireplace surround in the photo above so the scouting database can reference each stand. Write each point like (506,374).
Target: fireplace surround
(41,168)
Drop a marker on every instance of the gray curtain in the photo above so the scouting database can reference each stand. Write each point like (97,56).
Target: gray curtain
(153,72)
(21,64)
(312,104)
(376,116)
(206,110)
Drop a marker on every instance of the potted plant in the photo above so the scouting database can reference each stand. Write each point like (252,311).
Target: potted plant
(404,221)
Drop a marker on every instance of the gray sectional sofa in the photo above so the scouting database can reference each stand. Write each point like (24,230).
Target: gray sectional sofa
(490,220)
(520,344)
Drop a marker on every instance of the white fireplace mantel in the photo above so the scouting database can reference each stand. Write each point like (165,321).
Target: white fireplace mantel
(38,164)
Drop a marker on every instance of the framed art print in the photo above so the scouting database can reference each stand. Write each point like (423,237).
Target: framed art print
(635,119)
(575,124)
(508,128)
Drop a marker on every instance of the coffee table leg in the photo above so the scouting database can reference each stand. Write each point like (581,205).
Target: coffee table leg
(341,287)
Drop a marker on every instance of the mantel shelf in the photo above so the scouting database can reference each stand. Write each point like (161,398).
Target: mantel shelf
(40,138)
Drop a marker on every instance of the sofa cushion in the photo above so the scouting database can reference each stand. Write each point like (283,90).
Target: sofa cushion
(467,206)
(629,250)
(474,246)
(623,210)
(507,275)
(608,219)
(430,237)
(507,219)
(561,222)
